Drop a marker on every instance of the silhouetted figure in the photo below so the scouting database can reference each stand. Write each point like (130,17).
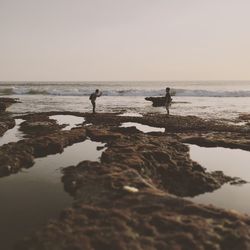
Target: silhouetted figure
(93,97)
(168,100)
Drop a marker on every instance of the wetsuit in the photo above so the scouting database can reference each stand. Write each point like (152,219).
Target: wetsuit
(168,101)
(93,97)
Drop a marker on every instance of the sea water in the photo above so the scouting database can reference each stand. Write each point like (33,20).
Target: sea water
(33,196)
(234,163)
(214,99)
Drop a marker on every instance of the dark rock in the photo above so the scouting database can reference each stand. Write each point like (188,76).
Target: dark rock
(238,181)
(106,217)
(244,117)
(6,123)
(224,139)
(21,154)
(3,106)
(38,125)
(129,199)
(172,123)
(5,102)
(164,160)
(102,134)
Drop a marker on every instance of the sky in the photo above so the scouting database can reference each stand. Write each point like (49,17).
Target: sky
(111,40)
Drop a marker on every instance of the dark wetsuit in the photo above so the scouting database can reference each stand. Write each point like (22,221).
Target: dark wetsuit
(168,101)
(93,97)
(168,98)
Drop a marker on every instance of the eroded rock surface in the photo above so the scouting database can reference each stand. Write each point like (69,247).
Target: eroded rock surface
(6,121)
(39,125)
(5,102)
(17,155)
(126,201)
(172,123)
(132,198)
(107,216)
(227,140)
(161,158)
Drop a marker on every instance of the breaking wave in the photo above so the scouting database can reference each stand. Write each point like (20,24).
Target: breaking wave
(66,90)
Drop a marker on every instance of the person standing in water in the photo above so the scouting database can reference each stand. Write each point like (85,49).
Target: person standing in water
(168,100)
(93,97)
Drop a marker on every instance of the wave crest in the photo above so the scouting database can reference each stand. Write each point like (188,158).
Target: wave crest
(86,91)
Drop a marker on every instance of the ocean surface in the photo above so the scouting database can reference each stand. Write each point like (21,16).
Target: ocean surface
(207,99)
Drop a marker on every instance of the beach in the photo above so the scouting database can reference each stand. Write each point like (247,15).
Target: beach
(124,125)
(129,176)
(223,100)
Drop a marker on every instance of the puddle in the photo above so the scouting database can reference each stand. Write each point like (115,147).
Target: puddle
(72,120)
(31,197)
(238,123)
(88,124)
(131,114)
(12,135)
(141,127)
(233,162)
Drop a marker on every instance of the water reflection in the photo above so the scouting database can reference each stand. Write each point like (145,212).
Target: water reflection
(142,128)
(72,120)
(233,162)
(12,135)
(35,195)
(130,114)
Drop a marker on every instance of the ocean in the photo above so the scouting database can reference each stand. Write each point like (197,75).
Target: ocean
(207,99)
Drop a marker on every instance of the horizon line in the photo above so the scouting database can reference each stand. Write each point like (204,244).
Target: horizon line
(67,81)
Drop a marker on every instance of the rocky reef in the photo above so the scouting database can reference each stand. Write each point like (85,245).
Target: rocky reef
(44,137)
(6,121)
(5,102)
(133,197)
(106,216)
(161,159)
(14,156)
(39,125)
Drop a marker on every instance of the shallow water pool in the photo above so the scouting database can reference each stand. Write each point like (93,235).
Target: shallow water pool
(72,121)
(13,134)
(141,127)
(233,162)
(131,114)
(31,197)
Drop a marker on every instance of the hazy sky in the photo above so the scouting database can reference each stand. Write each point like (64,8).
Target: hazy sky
(124,40)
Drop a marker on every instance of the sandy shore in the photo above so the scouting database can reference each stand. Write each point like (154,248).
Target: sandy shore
(133,197)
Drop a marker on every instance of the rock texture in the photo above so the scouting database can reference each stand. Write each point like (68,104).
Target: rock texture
(131,199)
(17,155)
(108,216)
(5,102)
(227,140)
(162,159)
(39,125)
(6,121)
(172,124)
